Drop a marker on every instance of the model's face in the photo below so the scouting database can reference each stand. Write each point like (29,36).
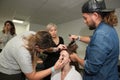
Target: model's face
(53,31)
(89,20)
(64,55)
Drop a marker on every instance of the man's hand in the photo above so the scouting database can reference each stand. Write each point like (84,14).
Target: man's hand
(73,37)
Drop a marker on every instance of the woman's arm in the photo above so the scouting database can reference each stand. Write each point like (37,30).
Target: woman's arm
(41,74)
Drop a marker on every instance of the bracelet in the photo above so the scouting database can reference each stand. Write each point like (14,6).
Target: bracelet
(78,38)
(53,69)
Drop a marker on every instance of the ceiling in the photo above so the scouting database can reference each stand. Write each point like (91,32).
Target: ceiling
(45,11)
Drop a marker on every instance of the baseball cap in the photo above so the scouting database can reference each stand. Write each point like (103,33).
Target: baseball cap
(95,6)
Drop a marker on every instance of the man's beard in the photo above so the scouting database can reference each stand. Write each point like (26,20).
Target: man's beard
(92,26)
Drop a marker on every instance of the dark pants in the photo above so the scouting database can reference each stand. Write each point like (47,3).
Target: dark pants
(12,77)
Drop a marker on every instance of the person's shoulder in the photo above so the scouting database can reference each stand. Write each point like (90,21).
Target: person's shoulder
(75,74)
(105,25)
(75,71)
(61,40)
(60,37)
(104,29)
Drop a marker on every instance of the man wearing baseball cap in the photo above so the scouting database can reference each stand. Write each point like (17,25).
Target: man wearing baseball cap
(102,52)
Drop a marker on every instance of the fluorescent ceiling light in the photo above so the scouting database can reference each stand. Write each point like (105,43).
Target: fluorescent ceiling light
(18,21)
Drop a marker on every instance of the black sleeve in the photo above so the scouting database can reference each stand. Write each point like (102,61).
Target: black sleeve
(61,40)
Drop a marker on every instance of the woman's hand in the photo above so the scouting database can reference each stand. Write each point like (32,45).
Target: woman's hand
(60,63)
(61,47)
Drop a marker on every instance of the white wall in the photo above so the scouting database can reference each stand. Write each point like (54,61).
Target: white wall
(36,27)
(20,28)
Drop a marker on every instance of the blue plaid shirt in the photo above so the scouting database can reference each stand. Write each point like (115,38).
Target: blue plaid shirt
(102,54)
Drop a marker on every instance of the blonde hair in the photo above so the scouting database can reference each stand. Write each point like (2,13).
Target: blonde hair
(50,25)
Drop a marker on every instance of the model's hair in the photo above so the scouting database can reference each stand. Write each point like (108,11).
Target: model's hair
(110,18)
(12,28)
(72,48)
(50,25)
(41,39)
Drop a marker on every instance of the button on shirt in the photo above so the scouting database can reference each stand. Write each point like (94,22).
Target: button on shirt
(102,54)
